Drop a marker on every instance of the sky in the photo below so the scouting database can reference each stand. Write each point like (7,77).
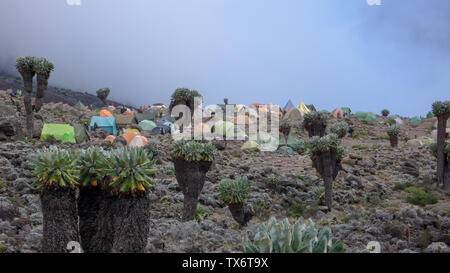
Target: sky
(329,53)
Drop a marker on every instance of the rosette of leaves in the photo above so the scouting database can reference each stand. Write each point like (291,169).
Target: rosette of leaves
(282,237)
(385,112)
(54,167)
(393,130)
(321,144)
(130,170)
(25,63)
(339,128)
(315,123)
(103,94)
(234,190)
(441,108)
(192,151)
(43,68)
(91,167)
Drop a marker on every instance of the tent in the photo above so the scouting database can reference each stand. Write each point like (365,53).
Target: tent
(346,110)
(393,117)
(122,121)
(132,131)
(366,116)
(222,127)
(289,105)
(129,136)
(147,125)
(80,105)
(81,134)
(166,123)
(415,121)
(242,119)
(63,132)
(169,118)
(311,107)
(157,130)
(110,138)
(105,123)
(267,142)
(430,115)
(250,145)
(399,121)
(138,141)
(302,107)
(105,113)
(338,112)
(294,115)
(146,116)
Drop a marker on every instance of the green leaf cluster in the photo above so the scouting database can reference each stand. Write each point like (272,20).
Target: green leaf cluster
(441,108)
(282,237)
(393,130)
(233,191)
(193,151)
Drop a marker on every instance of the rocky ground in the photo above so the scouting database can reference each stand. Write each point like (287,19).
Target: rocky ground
(370,201)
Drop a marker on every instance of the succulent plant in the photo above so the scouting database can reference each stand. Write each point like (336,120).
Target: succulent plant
(321,144)
(193,151)
(339,128)
(25,63)
(314,116)
(234,190)
(385,112)
(282,237)
(91,167)
(42,66)
(393,130)
(441,107)
(129,168)
(54,167)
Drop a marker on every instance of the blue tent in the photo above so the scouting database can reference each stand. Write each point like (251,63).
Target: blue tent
(105,123)
(289,105)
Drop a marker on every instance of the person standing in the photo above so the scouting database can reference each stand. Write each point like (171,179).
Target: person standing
(350,131)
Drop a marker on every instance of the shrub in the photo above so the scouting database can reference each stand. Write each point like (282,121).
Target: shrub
(152,147)
(54,167)
(281,237)
(234,191)
(193,151)
(385,112)
(339,128)
(91,167)
(433,149)
(402,186)
(393,130)
(320,144)
(419,197)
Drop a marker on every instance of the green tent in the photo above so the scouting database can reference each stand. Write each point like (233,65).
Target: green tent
(366,116)
(80,105)
(415,120)
(267,142)
(250,145)
(81,134)
(430,115)
(393,117)
(295,143)
(147,125)
(346,110)
(226,128)
(63,132)
(146,116)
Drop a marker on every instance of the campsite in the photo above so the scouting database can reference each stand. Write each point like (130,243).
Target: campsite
(398,205)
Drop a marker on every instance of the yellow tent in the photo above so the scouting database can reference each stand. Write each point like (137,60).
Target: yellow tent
(302,107)
(250,145)
(132,131)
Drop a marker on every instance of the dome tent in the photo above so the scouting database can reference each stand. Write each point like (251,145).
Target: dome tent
(250,145)
(415,120)
(63,132)
(147,125)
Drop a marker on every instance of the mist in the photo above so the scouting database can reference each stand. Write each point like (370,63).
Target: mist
(329,53)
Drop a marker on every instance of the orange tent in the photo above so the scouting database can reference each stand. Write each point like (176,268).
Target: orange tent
(110,138)
(138,141)
(129,136)
(105,113)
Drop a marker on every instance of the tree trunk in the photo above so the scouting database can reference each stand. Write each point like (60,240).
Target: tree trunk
(394,141)
(241,213)
(191,177)
(59,208)
(42,83)
(328,168)
(316,128)
(441,128)
(131,223)
(89,203)
(447,175)
(103,242)
(28,89)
